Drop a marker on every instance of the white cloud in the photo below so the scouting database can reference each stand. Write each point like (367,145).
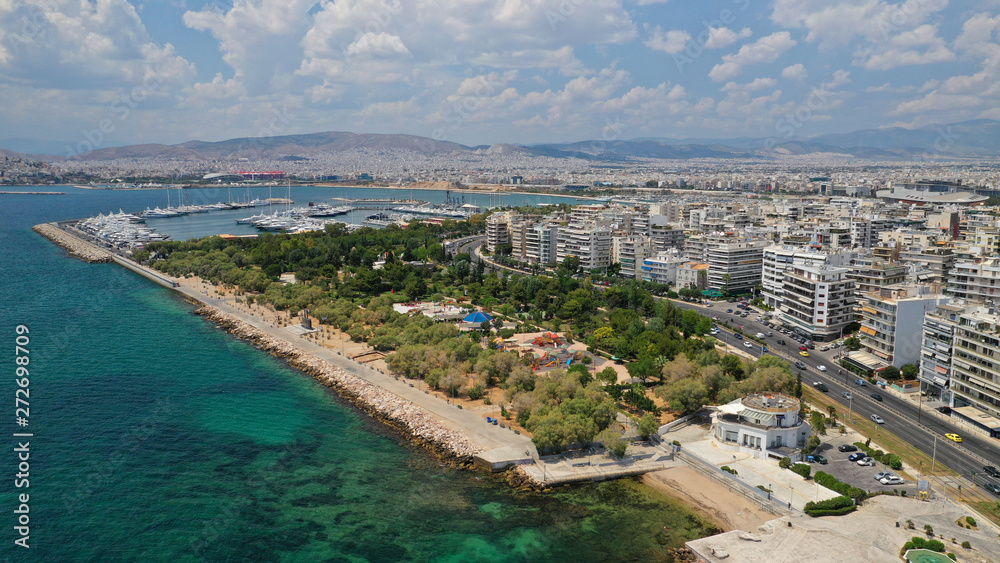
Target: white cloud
(722,37)
(756,84)
(764,50)
(377,45)
(835,24)
(919,46)
(796,71)
(671,42)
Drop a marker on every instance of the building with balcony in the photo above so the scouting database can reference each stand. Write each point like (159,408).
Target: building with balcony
(665,234)
(498,230)
(889,317)
(818,301)
(935,351)
(590,242)
(630,252)
(975,280)
(534,242)
(872,274)
(692,275)
(778,258)
(735,265)
(661,268)
(974,372)
(766,423)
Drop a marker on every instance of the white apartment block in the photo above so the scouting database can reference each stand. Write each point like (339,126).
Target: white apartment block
(975,280)
(692,275)
(817,301)
(778,258)
(735,265)
(590,242)
(889,317)
(865,232)
(498,230)
(665,235)
(535,243)
(974,376)
(871,274)
(935,351)
(661,268)
(630,252)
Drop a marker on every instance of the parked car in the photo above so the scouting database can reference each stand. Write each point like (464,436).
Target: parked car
(816,458)
(953,437)
(824,348)
(993,488)
(861,382)
(811,345)
(846,395)
(876,396)
(821,367)
(821,386)
(883,474)
(847,448)
(866,461)
(944,410)
(729,310)
(991,471)
(892,480)
(856,456)
(877,419)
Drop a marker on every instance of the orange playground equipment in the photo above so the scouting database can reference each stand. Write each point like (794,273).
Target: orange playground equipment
(548,339)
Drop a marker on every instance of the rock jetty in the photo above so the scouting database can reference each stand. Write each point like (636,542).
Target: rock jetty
(75,246)
(380,403)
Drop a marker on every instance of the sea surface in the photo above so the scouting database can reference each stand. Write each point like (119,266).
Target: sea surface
(157,437)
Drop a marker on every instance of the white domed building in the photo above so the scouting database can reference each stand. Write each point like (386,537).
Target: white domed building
(764,424)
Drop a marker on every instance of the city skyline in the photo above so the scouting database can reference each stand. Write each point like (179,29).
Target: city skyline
(492,72)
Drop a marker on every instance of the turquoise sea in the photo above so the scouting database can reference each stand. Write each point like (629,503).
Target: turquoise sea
(158,437)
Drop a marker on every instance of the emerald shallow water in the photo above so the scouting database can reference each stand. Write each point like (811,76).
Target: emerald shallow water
(159,437)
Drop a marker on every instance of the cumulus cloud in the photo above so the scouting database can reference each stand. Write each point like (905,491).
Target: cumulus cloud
(722,37)
(836,24)
(796,71)
(919,46)
(670,42)
(764,50)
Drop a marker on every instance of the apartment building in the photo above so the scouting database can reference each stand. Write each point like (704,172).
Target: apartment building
(735,265)
(778,258)
(590,242)
(975,280)
(535,242)
(817,301)
(630,252)
(692,275)
(665,234)
(873,274)
(935,351)
(865,231)
(974,374)
(888,318)
(661,268)
(498,230)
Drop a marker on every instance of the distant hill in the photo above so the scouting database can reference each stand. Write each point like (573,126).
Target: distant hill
(979,138)
(34,146)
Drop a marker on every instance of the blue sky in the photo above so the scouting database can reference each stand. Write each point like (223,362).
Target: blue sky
(479,72)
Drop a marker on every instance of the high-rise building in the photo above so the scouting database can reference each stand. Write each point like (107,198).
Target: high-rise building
(498,230)
(778,258)
(735,265)
(629,252)
(588,241)
(888,318)
(818,301)
(975,280)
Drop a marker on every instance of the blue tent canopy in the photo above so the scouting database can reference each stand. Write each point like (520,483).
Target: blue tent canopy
(478,317)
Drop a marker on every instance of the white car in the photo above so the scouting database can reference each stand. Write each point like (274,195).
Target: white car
(821,368)
(892,480)
(877,419)
(748,344)
(866,461)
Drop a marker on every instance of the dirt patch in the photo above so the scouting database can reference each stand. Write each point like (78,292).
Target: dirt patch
(717,503)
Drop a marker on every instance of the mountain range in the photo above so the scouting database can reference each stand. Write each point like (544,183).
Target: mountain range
(978,138)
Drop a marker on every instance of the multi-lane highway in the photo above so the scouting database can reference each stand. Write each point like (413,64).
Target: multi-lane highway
(921,429)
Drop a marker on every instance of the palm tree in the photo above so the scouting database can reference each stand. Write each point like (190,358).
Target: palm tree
(726,278)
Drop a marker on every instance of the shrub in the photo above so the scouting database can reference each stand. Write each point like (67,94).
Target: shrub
(970,520)
(676,443)
(928,530)
(728,469)
(785,463)
(476,392)
(921,543)
(802,469)
(952,556)
(966,545)
(835,485)
(910,525)
(763,488)
(811,445)
(830,507)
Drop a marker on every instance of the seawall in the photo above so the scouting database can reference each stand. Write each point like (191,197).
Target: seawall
(75,246)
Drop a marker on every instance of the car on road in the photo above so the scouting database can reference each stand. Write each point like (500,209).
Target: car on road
(883,474)
(824,348)
(803,348)
(760,335)
(800,365)
(877,419)
(811,345)
(892,480)
(995,489)
(769,334)
(944,410)
(847,395)
(866,461)
(738,336)
(804,354)
(748,344)
(861,382)
(821,386)
(857,456)
(781,342)
(991,471)
(876,396)
(821,367)
(953,437)
(847,448)
(763,349)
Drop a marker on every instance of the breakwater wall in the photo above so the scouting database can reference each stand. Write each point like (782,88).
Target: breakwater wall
(75,246)
(378,402)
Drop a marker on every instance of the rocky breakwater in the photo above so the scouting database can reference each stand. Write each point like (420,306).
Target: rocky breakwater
(413,420)
(74,245)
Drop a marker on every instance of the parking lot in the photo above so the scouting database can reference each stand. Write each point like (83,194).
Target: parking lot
(847,471)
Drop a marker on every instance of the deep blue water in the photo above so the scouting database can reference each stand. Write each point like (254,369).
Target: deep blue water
(158,437)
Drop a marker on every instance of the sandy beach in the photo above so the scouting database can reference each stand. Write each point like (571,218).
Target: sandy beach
(724,508)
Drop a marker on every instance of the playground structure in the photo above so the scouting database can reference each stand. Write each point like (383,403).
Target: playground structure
(557,358)
(548,339)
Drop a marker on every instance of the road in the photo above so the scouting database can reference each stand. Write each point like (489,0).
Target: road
(901,416)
